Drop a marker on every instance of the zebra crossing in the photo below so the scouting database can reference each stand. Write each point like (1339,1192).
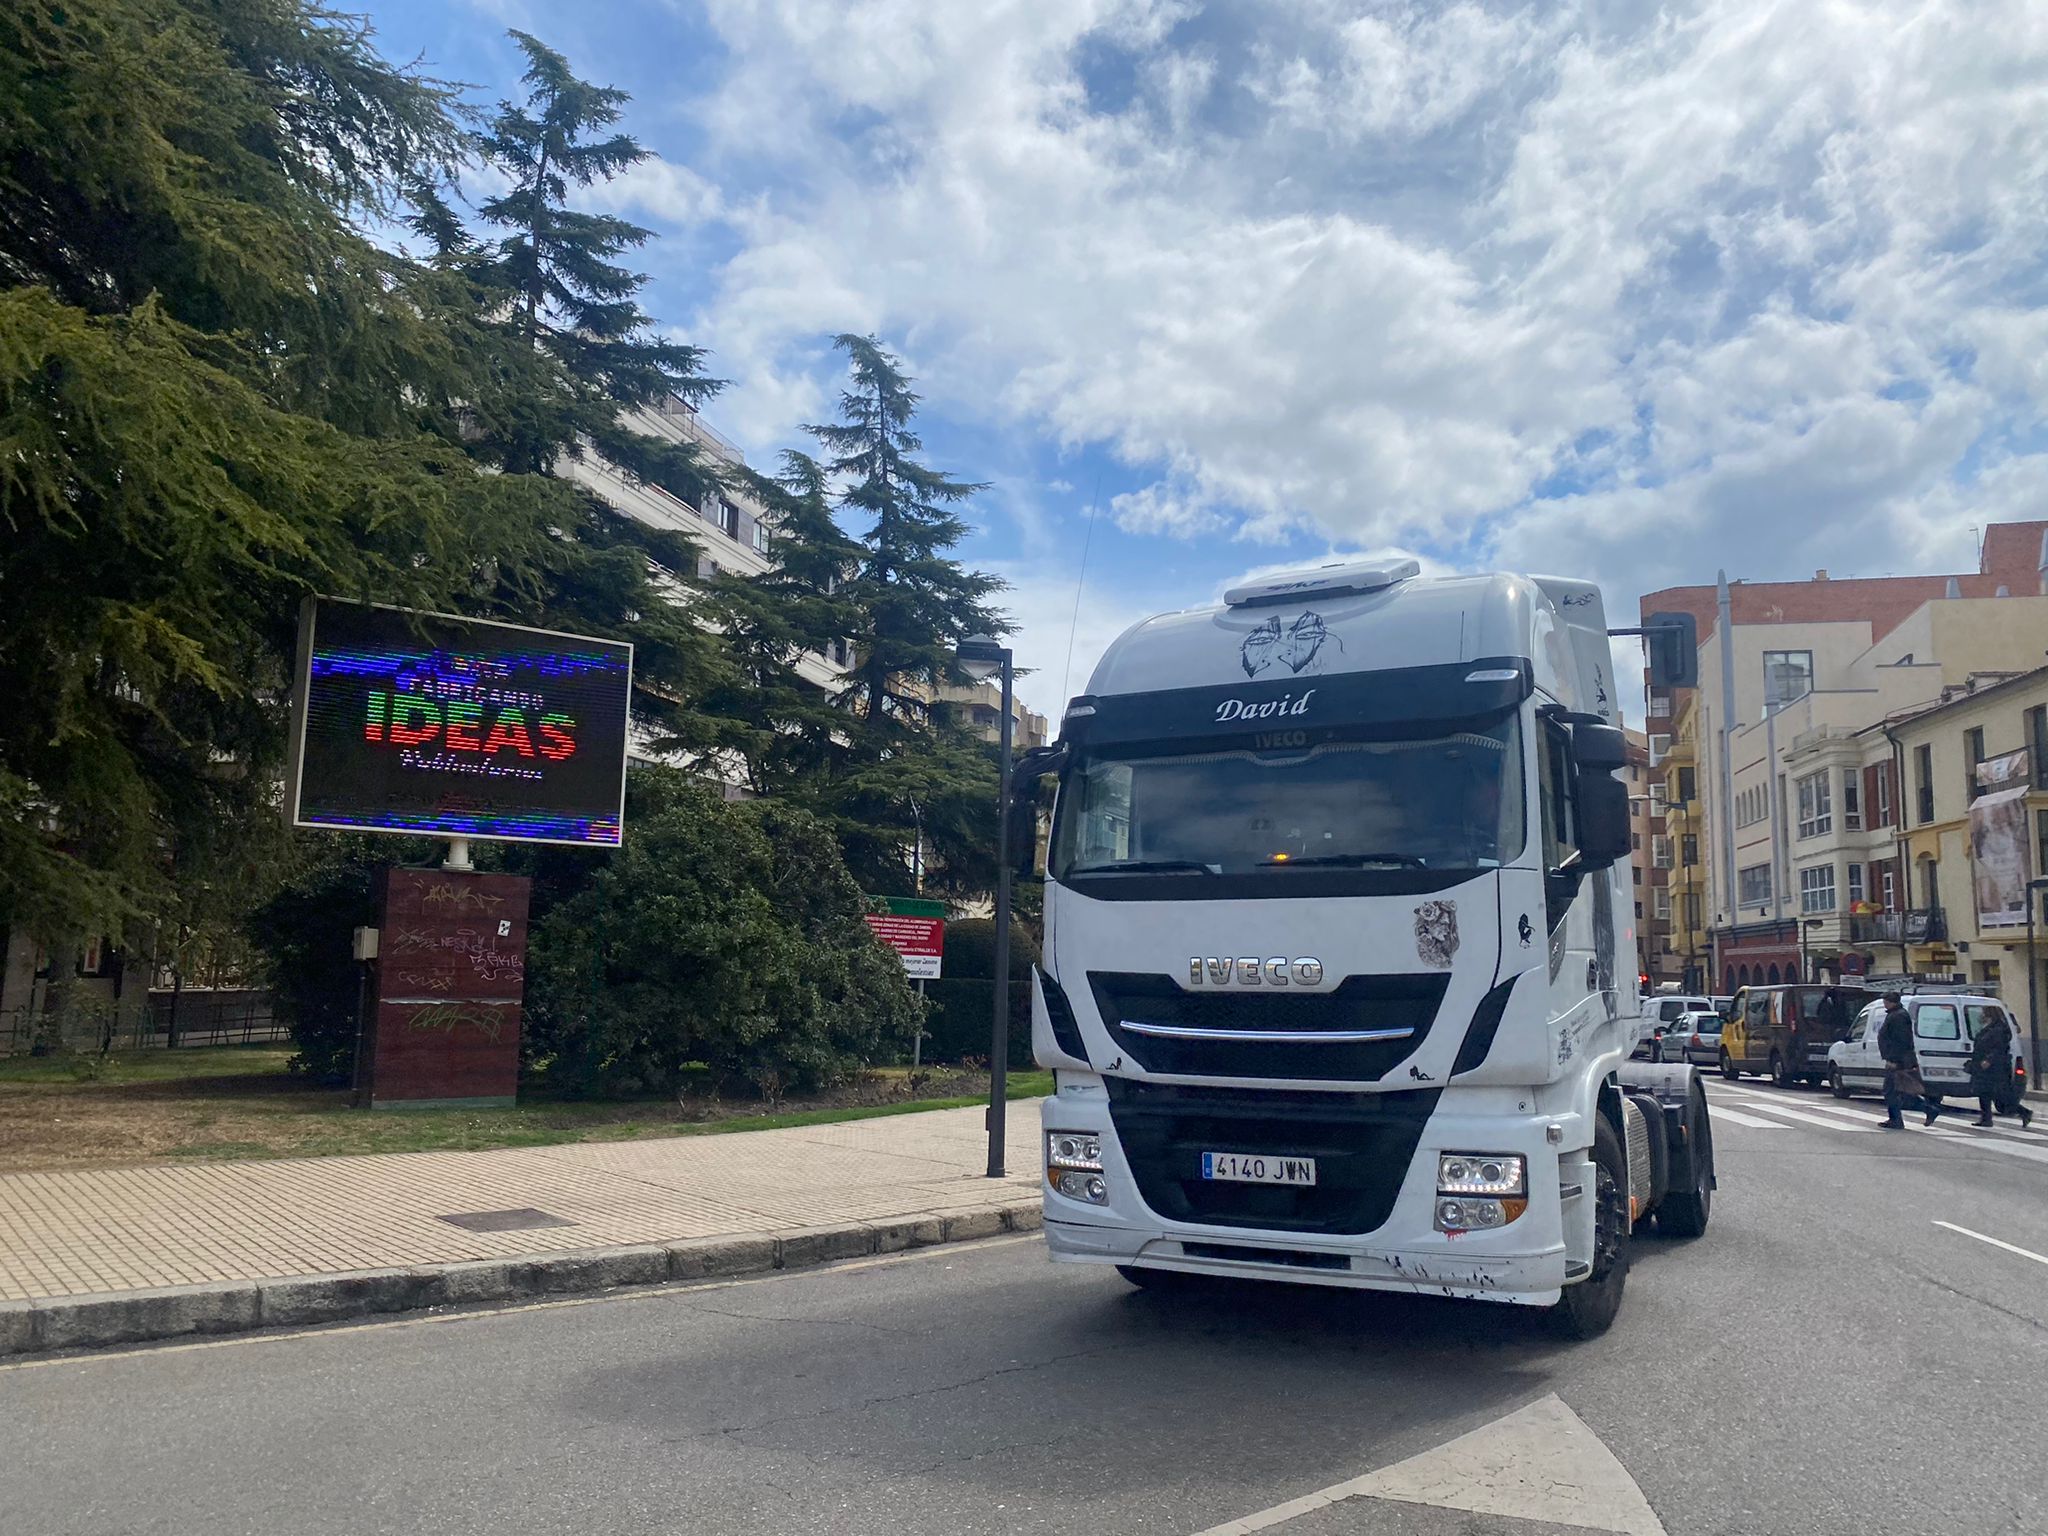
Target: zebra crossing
(1763,1109)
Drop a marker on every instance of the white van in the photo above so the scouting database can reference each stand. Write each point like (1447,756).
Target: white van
(1945,1025)
(1661,1014)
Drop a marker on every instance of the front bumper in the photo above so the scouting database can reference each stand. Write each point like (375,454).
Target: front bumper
(1522,1263)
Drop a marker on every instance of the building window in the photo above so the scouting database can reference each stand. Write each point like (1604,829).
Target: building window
(1660,852)
(1815,806)
(1636,841)
(1689,849)
(1660,904)
(1688,786)
(1923,782)
(2041,838)
(1884,795)
(1973,754)
(1659,747)
(1888,887)
(1660,706)
(1635,874)
(1639,911)
(1852,800)
(1817,888)
(2037,747)
(759,534)
(1855,886)
(1754,885)
(1656,799)
(1788,675)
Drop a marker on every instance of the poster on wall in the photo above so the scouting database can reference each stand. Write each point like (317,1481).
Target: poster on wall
(2001,854)
(422,723)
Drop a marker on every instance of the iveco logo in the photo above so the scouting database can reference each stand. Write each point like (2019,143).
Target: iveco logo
(1250,971)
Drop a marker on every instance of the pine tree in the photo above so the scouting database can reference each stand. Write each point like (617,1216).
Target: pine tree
(581,354)
(905,764)
(915,603)
(216,396)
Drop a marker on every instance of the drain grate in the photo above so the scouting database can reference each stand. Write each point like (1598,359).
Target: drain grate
(524,1220)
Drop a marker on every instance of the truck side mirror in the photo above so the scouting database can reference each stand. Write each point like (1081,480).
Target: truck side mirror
(1025,776)
(1600,806)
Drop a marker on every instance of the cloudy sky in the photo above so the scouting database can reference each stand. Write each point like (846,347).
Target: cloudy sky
(1613,288)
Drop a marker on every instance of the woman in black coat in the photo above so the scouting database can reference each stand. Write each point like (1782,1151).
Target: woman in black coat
(1991,1072)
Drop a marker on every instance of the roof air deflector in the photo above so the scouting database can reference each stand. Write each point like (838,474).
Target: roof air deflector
(1323,581)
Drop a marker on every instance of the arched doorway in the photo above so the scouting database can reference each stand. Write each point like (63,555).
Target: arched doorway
(1742,977)
(1774,975)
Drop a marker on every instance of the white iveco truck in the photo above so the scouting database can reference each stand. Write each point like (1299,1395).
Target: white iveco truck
(1339,965)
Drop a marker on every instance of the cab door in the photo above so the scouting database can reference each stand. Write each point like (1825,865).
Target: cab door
(1756,1031)
(1735,1029)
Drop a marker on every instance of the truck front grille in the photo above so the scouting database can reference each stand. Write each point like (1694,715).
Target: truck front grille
(1371,1023)
(1362,1144)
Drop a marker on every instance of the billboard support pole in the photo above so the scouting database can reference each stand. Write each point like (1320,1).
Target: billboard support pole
(458,856)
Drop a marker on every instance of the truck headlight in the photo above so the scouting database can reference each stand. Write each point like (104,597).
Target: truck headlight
(1080,1150)
(1085,1187)
(1481,1173)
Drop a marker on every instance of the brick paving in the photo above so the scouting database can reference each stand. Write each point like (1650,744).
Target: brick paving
(77,1233)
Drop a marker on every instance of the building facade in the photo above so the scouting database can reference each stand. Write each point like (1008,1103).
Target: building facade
(1792,807)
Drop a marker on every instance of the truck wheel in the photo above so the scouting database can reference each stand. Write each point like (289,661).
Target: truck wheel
(1836,1086)
(1683,1213)
(1728,1068)
(1587,1308)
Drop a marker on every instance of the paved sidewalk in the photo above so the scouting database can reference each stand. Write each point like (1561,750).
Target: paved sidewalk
(123,1229)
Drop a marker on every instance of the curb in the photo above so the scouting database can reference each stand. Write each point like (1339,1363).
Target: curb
(240,1306)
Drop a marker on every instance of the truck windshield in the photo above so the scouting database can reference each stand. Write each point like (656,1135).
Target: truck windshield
(1441,802)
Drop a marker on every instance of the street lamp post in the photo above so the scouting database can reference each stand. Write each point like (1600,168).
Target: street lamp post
(981,657)
(2034,982)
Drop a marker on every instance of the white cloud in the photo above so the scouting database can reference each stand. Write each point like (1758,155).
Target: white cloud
(1632,292)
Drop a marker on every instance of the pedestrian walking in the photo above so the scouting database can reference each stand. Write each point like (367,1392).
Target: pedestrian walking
(1991,1075)
(1903,1085)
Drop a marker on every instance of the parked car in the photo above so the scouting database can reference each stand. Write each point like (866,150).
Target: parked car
(1699,1039)
(1945,1026)
(1659,1014)
(1785,1032)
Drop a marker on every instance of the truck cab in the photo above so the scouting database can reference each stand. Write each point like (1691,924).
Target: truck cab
(1333,908)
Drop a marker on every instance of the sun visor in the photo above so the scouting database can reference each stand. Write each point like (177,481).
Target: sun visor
(1399,701)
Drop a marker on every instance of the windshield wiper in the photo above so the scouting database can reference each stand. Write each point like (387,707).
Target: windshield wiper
(1399,860)
(1146,867)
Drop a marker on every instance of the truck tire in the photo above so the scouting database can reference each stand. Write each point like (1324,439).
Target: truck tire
(1586,1309)
(1684,1212)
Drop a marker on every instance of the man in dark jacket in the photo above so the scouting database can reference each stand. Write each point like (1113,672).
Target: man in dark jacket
(1902,1085)
(1991,1070)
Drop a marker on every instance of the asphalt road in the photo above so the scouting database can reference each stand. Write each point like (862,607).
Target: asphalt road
(1827,1359)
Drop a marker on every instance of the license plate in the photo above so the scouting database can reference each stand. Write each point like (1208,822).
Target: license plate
(1253,1168)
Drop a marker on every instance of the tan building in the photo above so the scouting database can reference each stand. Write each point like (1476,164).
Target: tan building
(1975,829)
(980,705)
(1683,936)
(1789,829)
(1637,773)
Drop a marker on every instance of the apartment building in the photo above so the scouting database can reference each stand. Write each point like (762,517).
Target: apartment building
(980,707)
(1786,819)
(1973,828)
(1637,773)
(1684,951)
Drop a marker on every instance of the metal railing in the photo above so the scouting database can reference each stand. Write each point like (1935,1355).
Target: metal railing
(1923,925)
(197,1016)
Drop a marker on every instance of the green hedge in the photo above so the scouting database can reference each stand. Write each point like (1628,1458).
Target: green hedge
(963,1003)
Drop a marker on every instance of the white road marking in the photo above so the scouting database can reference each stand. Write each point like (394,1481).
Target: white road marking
(1539,1463)
(2027,1146)
(1722,1112)
(2025,1253)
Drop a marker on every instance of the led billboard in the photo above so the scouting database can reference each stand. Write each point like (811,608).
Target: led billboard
(427,723)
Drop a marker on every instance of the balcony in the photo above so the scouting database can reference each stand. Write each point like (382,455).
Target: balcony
(1924,925)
